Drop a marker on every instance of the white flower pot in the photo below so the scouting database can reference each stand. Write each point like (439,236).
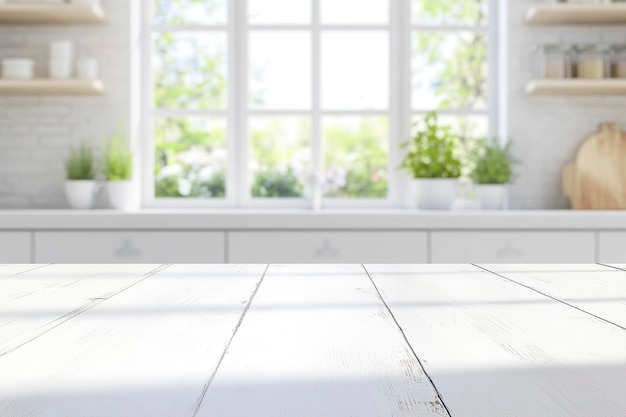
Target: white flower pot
(121,194)
(435,193)
(80,193)
(492,196)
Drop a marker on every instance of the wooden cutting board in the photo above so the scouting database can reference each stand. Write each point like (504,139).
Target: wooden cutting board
(597,178)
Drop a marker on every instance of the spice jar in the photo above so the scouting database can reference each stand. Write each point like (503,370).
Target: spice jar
(554,62)
(619,61)
(592,62)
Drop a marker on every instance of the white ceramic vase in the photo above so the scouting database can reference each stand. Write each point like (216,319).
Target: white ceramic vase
(435,193)
(492,196)
(121,194)
(80,193)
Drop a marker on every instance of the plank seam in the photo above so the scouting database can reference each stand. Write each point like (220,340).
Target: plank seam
(432,383)
(553,298)
(85,307)
(235,330)
(29,270)
(611,266)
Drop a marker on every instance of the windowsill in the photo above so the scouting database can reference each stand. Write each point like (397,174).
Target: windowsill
(292,219)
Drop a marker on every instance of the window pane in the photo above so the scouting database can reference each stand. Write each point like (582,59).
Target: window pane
(190,157)
(354,11)
(190,12)
(449,70)
(280,156)
(280,70)
(355,70)
(466,127)
(190,70)
(279,11)
(459,12)
(355,156)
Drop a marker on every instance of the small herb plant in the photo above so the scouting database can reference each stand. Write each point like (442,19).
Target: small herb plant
(118,159)
(80,163)
(433,152)
(493,162)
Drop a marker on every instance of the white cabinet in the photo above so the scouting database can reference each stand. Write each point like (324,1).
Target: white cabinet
(513,247)
(612,247)
(129,247)
(327,247)
(15,247)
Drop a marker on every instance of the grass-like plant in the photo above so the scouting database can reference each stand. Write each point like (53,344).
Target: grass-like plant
(493,162)
(433,152)
(118,159)
(80,165)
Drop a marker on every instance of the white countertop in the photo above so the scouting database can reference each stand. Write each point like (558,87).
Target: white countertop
(312,340)
(306,219)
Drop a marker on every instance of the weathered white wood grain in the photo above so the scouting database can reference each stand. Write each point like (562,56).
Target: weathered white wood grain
(51,295)
(596,289)
(9,270)
(318,342)
(148,351)
(496,349)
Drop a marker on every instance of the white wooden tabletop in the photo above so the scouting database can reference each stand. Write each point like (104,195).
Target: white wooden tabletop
(312,341)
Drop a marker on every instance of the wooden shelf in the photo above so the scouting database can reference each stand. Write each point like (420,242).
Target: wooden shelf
(51,87)
(573,14)
(53,14)
(611,87)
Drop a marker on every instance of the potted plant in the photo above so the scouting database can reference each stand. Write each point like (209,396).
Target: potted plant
(80,186)
(118,170)
(433,160)
(492,172)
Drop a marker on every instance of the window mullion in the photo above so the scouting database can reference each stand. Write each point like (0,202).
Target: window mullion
(316,134)
(238,118)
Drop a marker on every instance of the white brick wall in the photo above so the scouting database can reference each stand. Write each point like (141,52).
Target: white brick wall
(36,132)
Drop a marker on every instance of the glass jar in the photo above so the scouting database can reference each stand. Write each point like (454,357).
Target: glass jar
(619,61)
(553,62)
(592,62)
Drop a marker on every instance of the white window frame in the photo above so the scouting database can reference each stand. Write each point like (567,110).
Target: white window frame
(399,113)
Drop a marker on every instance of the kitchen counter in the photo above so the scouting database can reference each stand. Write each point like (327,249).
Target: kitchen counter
(303,220)
(314,340)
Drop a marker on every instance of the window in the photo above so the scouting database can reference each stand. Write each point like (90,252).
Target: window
(300,103)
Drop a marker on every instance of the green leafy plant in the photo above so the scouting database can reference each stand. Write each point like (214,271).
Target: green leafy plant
(118,159)
(80,163)
(433,152)
(276,184)
(493,162)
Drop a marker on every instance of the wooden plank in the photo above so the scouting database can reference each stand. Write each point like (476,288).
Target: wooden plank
(596,289)
(494,348)
(568,14)
(54,14)
(52,295)
(318,341)
(41,86)
(576,87)
(148,351)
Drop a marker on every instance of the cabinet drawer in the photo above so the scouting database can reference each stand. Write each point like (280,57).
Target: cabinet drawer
(513,247)
(15,247)
(327,247)
(129,247)
(612,247)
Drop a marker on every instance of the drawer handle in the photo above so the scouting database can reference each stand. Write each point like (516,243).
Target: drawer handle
(128,250)
(327,250)
(509,251)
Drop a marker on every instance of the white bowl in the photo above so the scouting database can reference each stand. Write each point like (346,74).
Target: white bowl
(60,69)
(87,68)
(61,50)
